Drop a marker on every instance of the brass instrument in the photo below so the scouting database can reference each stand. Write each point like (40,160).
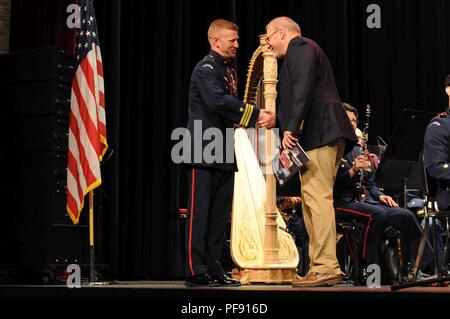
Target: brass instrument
(259,247)
(365,137)
(287,208)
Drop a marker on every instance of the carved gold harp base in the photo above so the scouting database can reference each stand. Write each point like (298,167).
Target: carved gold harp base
(267,276)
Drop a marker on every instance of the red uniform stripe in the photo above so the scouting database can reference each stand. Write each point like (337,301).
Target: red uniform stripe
(191,220)
(345,210)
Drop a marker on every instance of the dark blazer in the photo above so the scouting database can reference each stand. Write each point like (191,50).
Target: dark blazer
(309,101)
(213,105)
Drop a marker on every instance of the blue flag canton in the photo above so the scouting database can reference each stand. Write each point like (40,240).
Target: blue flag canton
(87,34)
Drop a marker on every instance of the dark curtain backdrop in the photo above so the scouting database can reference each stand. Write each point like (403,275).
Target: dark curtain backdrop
(149,49)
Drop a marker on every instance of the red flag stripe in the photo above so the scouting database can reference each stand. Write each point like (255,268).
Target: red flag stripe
(72,208)
(85,76)
(86,119)
(100,68)
(75,187)
(80,145)
(83,161)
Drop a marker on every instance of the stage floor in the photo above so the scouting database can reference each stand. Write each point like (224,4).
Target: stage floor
(177,290)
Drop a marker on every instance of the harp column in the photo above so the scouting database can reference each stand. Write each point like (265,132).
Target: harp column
(271,242)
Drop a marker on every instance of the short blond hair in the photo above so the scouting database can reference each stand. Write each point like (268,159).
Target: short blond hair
(219,25)
(286,23)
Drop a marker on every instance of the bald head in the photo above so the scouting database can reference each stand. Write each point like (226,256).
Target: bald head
(284,23)
(279,32)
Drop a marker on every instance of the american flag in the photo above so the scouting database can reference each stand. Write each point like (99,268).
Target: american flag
(87,131)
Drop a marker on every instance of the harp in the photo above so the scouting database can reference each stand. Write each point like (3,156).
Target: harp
(259,247)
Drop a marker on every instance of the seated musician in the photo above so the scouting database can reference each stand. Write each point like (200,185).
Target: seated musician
(436,151)
(357,197)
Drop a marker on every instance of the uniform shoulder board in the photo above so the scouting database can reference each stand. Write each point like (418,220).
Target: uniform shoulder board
(434,123)
(207,65)
(443,114)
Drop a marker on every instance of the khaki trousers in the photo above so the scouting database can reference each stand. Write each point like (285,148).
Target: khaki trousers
(317,204)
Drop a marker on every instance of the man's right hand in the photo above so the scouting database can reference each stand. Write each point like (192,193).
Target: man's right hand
(289,139)
(266,119)
(360,163)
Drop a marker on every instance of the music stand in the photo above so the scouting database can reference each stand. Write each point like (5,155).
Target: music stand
(398,169)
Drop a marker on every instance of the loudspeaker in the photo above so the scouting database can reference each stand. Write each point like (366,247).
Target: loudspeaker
(34,134)
(37,234)
(37,237)
(35,99)
(46,169)
(40,64)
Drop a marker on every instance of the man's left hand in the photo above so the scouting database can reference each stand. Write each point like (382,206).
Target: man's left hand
(387,200)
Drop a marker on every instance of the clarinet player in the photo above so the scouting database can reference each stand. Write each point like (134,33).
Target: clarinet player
(375,209)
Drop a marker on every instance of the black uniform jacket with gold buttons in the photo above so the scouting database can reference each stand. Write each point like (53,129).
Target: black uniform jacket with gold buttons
(213,104)
(436,150)
(309,101)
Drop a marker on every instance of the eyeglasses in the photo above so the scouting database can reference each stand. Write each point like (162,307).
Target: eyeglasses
(268,37)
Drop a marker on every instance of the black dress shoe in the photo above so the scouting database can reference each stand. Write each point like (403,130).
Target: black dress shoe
(201,280)
(224,280)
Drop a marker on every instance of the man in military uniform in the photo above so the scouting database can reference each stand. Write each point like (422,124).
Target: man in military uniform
(213,106)
(370,205)
(436,151)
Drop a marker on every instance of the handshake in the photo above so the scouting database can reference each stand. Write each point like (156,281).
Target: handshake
(266,119)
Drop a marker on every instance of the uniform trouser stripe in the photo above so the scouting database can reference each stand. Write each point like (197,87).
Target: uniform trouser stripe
(369,223)
(191,222)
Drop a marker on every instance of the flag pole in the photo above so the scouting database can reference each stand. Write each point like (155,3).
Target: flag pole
(91,238)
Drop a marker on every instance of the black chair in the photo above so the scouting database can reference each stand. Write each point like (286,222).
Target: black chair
(350,260)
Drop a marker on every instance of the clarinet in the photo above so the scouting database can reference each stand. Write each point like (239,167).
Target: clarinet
(360,195)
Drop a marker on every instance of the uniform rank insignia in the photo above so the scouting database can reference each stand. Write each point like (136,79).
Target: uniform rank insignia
(434,123)
(208,66)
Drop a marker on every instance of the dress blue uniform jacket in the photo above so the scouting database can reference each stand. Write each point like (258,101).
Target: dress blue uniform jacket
(213,103)
(436,151)
(345,185)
